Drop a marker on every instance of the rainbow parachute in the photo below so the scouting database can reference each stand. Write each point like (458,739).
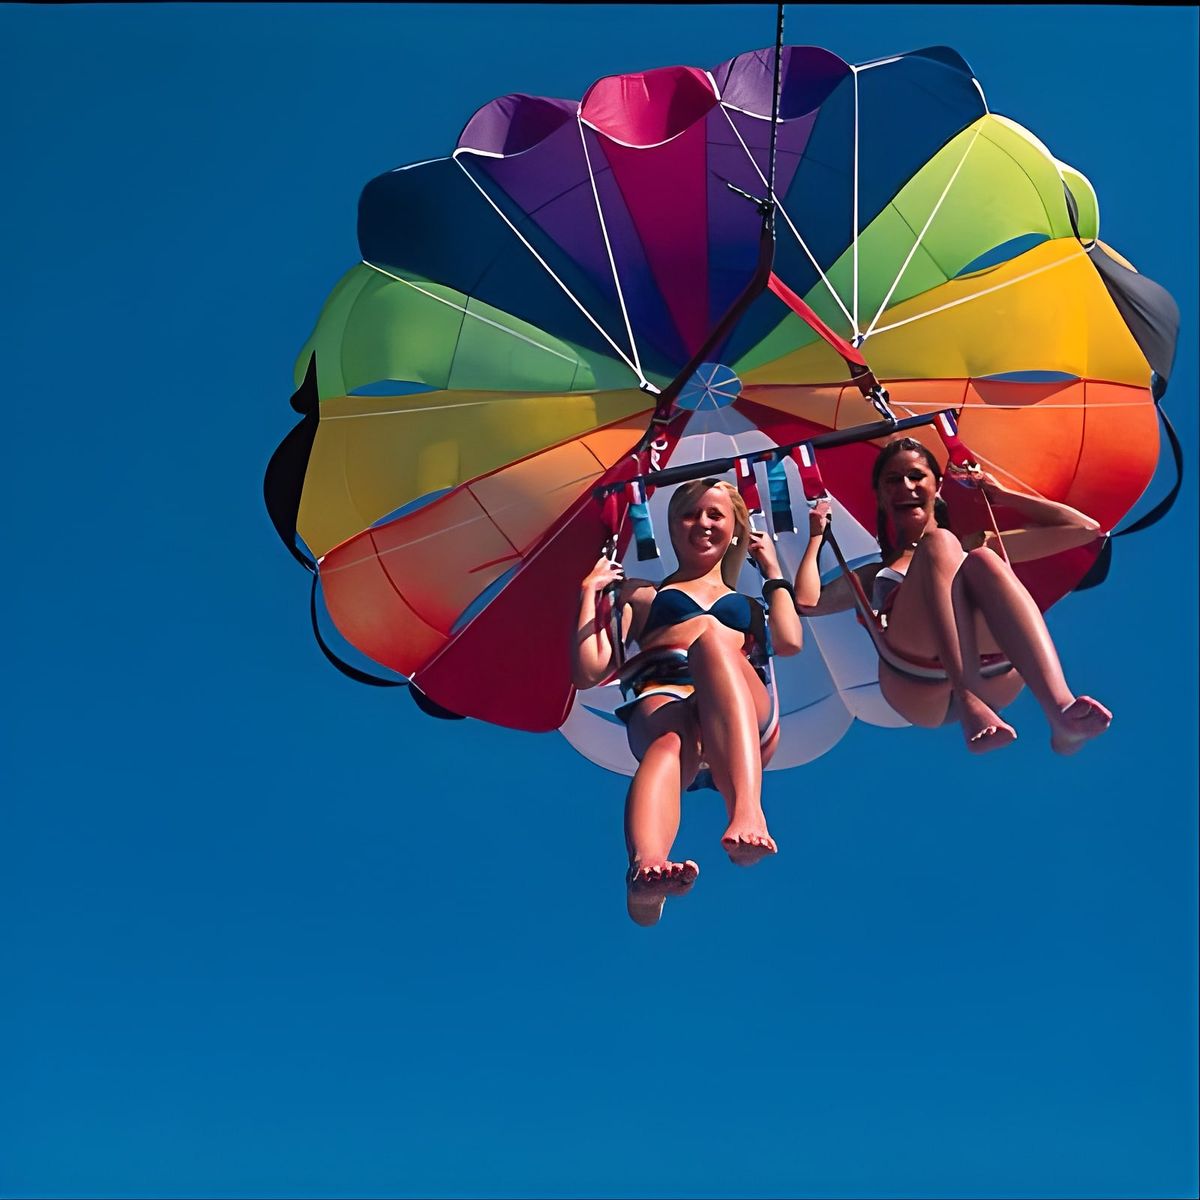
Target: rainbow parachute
(579,294)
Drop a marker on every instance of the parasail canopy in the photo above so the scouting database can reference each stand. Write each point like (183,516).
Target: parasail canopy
(579,294)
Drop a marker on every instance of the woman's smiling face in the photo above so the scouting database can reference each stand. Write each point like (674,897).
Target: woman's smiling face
(705,528)
(907,489)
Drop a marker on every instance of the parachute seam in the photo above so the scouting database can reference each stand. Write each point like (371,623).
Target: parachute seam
(999,470)
(916,406)
(871,64)
(399,595)
(403,412)
(974,296)
(539,548)
(349,312)
(712,83)
(492,520)
(1083,428)
(344,466)
(550,271)
(1032,183)
(462,324)
(484,514)
(925,229)
(854,270)
(790,224)
(917,87)
(987,462)
(612,262)
(577,440)
(466,312)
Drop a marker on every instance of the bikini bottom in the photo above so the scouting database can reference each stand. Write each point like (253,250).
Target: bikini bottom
(667,673)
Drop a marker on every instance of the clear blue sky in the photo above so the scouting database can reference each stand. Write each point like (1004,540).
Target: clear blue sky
(267,932)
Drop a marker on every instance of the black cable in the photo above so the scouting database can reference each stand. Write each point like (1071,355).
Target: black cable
(775,97)
(1161,509)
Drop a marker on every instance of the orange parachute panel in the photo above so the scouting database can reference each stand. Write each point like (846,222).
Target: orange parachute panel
(397,591)
(1119,453)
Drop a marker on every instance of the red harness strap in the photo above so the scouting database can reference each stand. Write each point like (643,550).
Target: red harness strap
(747,487)
(966,500)
(860,372)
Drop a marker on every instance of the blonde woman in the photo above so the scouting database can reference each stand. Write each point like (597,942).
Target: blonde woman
(697,692)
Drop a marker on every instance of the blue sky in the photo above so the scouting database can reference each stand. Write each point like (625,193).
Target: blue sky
(266,932)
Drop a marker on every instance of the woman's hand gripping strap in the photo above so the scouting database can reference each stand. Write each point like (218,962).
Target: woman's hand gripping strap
(814,490)
(963,470)
(613,508)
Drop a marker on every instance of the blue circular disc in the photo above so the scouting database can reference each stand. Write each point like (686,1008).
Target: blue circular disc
(713,385)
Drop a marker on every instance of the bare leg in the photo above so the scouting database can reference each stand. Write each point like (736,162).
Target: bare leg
(666,741)
(1020,631)
(731,713)
(924,621)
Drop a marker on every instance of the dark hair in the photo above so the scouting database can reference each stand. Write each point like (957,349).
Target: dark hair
(940,512)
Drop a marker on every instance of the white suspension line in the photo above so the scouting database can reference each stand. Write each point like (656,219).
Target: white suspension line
(916,406)
(723,415)
(999,470)
(880,62)
(401,412)
(924,229)
(986,462)
(612,262)
(486,515)
(550,271)
(522,561)
(854,319)
(974,295)
(468,313)
(500,398)
(790,223)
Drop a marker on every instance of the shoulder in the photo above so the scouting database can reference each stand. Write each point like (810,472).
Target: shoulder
(634,591)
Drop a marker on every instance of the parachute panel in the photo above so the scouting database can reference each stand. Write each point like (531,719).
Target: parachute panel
(373,455)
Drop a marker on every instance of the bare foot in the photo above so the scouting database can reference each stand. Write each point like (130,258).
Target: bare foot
(982,728)
(747,841)
(1082,720)
(648,887)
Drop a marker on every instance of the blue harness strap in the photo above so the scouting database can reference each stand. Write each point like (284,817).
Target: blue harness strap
(643,527)
(781,500)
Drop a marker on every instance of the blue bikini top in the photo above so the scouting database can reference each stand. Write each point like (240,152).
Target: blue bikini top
(672,606)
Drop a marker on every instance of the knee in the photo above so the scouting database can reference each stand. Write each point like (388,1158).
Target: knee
(941,543)
(983,563)
(668,745)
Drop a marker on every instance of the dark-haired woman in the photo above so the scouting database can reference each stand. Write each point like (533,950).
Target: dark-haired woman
(957,600)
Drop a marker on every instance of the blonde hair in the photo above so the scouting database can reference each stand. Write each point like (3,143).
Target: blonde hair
(686,494)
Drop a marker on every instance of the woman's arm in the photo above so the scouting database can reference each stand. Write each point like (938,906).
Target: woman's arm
(808,574)
(812,599)
(592,655)
(787,634)
(1051,527)
(838,596)
(1025,545)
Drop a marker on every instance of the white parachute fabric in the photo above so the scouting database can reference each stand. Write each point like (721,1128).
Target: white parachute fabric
(822,690)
